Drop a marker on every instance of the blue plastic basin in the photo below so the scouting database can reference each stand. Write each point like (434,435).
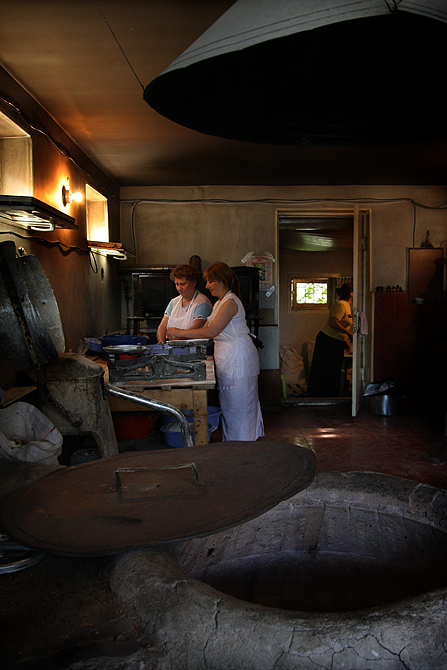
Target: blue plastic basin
(213,416)
(173,438)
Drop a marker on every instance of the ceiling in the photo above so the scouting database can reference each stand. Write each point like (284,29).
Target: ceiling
(65,55)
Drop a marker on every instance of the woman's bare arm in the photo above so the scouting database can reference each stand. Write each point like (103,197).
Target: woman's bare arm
(209,330)
(336,325)
(161,330)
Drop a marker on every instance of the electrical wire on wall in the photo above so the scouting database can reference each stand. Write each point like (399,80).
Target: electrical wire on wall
(64,248)
(285,202)
(60,149)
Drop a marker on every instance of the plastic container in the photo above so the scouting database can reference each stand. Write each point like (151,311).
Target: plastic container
(94,344)
(213,414)
(173,436)
(134,425)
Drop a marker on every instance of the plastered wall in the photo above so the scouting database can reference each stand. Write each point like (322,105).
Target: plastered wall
(224,223)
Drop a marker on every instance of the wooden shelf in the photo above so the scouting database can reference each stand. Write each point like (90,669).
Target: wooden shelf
(17,393)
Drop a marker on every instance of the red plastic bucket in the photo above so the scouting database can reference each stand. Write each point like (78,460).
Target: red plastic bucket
(134,425)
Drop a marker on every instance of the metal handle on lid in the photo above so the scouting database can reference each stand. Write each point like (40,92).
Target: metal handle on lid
(117,473)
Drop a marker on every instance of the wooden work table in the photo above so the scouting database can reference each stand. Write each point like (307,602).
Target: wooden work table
(182,393)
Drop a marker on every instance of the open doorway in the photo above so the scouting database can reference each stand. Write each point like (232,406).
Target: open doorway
(315,255)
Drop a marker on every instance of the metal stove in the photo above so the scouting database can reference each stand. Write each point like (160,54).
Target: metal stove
(177,359)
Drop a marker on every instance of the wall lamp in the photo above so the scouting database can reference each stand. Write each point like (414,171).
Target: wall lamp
(24,211)
(68,196)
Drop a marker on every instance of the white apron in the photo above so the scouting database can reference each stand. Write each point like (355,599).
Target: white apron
(237,370)
(183,317)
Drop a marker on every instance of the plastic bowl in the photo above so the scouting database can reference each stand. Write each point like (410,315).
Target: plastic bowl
(134,425)
(213,415)
(173,438)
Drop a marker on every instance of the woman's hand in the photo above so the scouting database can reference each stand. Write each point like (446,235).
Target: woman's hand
(174,333)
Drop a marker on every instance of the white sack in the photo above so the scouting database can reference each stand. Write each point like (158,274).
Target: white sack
(292,366)
(28,435)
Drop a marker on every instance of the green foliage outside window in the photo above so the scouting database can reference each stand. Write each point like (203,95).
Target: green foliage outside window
(309,293)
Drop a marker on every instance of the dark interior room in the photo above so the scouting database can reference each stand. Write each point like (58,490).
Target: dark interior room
(148,519)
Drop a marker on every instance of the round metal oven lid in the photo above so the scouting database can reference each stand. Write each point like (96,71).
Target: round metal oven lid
(141,498)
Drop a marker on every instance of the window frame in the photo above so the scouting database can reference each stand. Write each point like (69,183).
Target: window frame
(296,307)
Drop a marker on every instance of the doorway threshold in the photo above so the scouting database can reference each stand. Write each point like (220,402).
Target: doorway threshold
(300,401)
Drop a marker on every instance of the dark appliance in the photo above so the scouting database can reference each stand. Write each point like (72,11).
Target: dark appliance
(249,283)
(152,291)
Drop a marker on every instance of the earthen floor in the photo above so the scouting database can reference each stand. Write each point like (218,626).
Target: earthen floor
(62,611)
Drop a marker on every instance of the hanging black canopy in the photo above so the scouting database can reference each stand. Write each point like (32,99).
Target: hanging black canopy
(370,81)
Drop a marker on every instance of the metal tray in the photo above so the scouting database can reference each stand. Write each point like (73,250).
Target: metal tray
(188,343)
(125,349)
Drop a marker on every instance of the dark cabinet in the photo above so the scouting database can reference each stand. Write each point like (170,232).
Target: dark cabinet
(152,290)
(249,285)
(407,338)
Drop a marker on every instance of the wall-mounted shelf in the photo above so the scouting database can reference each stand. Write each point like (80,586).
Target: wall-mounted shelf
(115,249)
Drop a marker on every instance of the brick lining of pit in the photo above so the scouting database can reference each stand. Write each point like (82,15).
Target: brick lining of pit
(349,573)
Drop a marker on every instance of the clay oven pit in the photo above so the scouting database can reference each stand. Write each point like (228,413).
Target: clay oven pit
(350,573)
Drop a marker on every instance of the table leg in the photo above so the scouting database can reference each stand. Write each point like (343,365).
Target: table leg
(200,417)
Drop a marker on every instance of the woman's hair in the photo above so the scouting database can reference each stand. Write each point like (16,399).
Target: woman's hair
(223,273)
(344,291)
(185,272)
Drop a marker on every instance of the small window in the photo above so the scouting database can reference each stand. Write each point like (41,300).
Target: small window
(309,293)
(16,174)
(97,215)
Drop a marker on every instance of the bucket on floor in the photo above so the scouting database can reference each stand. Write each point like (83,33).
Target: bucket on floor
(134,425)
(173,436)
(385,405)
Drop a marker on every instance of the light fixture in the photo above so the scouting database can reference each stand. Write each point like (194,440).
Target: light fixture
(312,73)
(113,249)
(68,196)
(33,214)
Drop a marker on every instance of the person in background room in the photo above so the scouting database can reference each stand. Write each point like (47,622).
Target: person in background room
(330,345)
(190,309)
(235,355)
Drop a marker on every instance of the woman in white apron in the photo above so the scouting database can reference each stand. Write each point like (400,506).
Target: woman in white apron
(235,355)
(190,309)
